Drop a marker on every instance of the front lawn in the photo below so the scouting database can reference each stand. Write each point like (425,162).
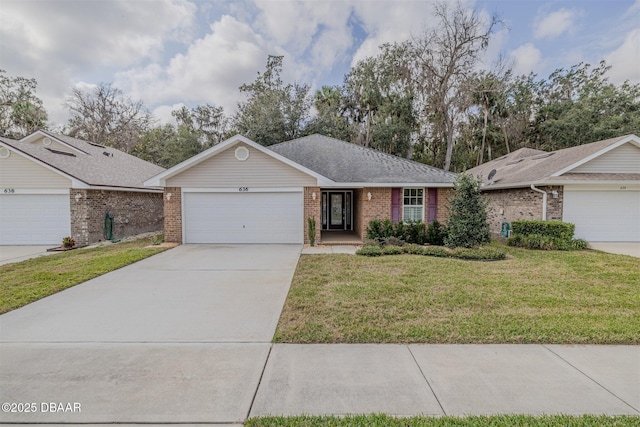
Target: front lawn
(579,297)
(27,281)
(475,421)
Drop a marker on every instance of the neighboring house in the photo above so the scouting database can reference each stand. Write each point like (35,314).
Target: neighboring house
(241,192)
(53,186)
(594,186)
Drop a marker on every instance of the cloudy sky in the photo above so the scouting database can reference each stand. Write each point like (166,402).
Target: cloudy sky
(188,52)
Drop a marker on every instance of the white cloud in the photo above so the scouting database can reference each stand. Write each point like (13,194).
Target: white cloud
(60,42)
(163,113)
(625,60)
(390,22)
(554,24)
(210,71)
(526,59)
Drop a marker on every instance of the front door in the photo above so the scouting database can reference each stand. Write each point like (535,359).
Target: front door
(336,211)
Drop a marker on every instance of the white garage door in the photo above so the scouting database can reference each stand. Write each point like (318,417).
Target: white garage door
(604,216)
(243,217)
(34,219)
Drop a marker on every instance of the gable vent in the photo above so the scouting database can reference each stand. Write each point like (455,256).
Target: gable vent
(46,142)
(64,153)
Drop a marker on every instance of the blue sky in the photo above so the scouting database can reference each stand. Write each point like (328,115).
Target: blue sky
(171,53)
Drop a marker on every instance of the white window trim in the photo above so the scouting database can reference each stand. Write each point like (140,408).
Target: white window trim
(423,201)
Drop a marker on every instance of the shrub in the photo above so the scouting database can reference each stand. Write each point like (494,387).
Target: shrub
(311,228)
(68,242)
(480,254)
(436,233)
(379,230)
(413,249)
(435,251)
(468,226)
(415,232)
(555,229)
(392,250)
(370,251)
(392,241)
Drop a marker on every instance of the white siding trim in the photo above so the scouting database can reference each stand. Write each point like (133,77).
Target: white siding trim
(631,139)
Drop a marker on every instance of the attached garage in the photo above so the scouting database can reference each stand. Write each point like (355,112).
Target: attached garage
(604,215)
(34,219)
(243,217)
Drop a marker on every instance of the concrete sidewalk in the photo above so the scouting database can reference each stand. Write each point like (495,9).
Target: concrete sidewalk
(458,380)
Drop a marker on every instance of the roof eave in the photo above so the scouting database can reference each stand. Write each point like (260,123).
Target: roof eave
(160,180)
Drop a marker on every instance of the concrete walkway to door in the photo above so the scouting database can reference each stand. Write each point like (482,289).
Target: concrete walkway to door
(179,337)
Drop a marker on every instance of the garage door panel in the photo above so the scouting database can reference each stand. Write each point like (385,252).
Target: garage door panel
(601,216)
(34,219)
(243,217)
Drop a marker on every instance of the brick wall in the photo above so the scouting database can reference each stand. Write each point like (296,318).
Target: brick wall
(521,203)
(444,195)
(173,214)
(133,213)
(379,207)
(312,209)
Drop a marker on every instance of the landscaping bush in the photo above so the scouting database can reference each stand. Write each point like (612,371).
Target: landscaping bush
(415,232)
(555,229)
(413,249)
(545,235)
(436,233)
(370,250)
(392,241)
(468,226)
(480,254)
(435,251)
(392,250)
(379,230)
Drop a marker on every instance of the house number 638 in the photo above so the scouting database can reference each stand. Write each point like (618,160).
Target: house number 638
(243,189)
(9,191)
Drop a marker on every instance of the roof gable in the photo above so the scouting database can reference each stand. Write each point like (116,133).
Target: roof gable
(86,164)
(162,178)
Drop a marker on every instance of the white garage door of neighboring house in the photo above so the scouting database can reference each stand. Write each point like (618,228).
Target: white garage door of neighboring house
(243,217)
(34,219)
(604,216)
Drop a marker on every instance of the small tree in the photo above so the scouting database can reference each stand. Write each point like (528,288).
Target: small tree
(468,226)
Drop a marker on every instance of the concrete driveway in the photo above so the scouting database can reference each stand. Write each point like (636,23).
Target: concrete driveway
(186,332)
(622,248)
(9,254)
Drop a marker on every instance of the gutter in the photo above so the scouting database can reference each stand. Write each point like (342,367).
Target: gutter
(544,201)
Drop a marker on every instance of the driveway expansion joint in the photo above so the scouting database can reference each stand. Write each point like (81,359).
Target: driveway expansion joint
(426,380)
(637,410)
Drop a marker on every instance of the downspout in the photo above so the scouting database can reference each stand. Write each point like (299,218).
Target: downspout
(544,201)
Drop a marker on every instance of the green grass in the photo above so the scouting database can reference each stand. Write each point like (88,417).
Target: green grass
(472,421)
(581,297)
(28,281)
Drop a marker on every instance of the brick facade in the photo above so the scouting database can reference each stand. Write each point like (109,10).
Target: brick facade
(312,209)
(172,214)
(521,203)
(379,207)
(444,195)
(133,213)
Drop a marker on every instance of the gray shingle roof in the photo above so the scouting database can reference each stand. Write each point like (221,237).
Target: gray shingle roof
(91,165)
(344,162)
(527,166)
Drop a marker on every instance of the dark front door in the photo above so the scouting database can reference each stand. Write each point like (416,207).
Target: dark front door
(336,211)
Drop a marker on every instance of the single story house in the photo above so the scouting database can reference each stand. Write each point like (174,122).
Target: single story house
(53,186)
(594,186)
(242,192)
